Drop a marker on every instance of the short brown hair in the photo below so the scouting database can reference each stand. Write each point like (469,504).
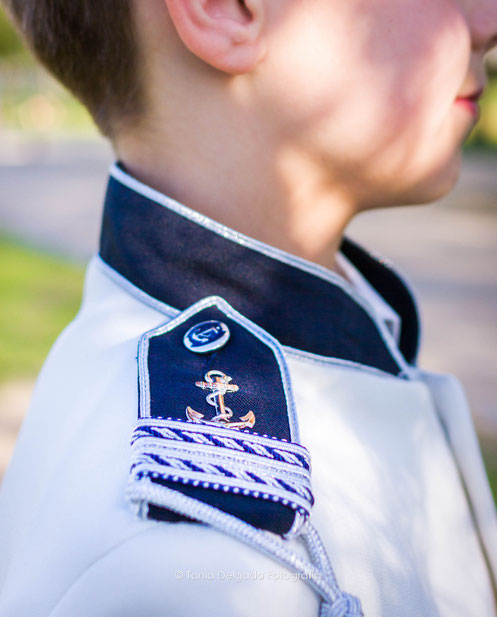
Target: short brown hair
(90,46)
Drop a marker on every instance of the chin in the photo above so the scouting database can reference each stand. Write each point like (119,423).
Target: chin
(435,184)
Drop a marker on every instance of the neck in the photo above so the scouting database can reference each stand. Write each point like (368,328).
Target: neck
(270,192)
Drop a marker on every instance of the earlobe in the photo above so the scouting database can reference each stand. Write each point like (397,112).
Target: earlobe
(227,34)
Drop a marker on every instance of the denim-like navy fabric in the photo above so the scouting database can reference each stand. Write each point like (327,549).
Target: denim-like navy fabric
(173,371)
(180,262)
(266,515)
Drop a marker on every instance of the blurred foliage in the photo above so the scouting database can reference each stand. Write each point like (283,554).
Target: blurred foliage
(490,456)
(40,295)
(485,133)
(492,474)
(10,44)
(31,100)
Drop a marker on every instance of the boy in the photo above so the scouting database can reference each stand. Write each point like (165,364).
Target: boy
(249,133)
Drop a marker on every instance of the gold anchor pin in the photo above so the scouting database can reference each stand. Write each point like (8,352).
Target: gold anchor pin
(219,384)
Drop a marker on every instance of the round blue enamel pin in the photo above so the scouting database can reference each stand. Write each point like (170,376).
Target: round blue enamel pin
(207,336)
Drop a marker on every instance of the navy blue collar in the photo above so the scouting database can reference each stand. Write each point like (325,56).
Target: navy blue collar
(179,256)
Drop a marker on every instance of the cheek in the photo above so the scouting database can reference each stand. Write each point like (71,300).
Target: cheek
(417,129)
(412,75)
(417,65)
(375,87)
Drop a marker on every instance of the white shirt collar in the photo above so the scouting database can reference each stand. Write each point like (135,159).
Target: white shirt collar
(382,309)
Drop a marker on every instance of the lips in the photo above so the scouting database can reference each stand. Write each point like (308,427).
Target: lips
(473,96)
(470,101)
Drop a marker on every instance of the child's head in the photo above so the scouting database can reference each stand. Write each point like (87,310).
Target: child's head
(365,89)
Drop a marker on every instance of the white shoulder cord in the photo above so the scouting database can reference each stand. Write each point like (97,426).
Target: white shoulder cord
(317,573)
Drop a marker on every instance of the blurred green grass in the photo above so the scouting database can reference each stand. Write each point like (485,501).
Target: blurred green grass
(40,295)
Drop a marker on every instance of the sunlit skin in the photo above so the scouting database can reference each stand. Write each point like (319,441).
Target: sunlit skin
(285,119)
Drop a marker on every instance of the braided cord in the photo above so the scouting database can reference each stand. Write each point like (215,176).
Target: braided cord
(318,573)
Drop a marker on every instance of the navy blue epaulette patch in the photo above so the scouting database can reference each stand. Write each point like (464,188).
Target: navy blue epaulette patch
(217,421)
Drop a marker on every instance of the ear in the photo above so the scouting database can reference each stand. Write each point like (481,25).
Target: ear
(226,34)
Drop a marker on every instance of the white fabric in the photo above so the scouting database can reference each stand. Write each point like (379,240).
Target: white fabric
(457,423)
(390,505)
(383,310)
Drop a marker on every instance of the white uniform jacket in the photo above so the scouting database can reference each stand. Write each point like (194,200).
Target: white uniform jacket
(227,430)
